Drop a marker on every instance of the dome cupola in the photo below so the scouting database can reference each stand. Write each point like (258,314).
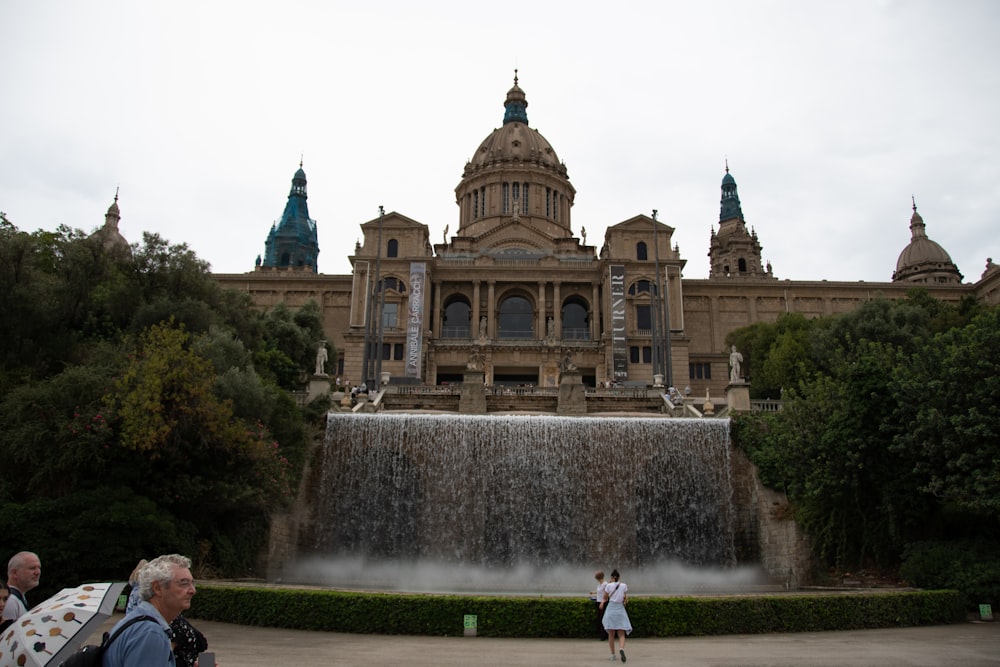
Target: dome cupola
(923,260)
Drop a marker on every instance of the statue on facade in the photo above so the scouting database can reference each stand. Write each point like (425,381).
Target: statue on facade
(550,328)
(567,362)
(321,358)
(482,326)
(735,364)
(477,362)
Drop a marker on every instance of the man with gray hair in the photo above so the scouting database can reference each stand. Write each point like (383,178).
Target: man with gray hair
(23,571)
(165,590)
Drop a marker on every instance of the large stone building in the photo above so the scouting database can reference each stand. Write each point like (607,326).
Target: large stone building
(518,289)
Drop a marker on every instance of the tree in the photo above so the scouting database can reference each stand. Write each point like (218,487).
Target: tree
(948,395)
(879,442)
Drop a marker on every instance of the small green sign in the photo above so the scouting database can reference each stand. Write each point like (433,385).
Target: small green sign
(986,612)
(471,621)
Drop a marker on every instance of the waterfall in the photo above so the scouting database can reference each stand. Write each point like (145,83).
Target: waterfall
(504,491)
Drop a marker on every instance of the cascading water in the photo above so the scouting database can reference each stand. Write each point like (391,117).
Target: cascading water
(479,494)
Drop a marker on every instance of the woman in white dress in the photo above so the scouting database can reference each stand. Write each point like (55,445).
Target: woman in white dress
(615,617)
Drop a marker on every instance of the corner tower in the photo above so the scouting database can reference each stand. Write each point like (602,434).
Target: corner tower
(923,260)
(292,241)
(733,251)
(110,238)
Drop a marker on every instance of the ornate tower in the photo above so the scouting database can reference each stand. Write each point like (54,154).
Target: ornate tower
(733,251)
(923,260)
(111,239)
(292,242)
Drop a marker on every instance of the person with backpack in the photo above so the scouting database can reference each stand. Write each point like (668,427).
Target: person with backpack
(165,590)
(23,571)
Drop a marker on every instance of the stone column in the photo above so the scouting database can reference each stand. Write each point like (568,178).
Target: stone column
(541,310)
(474,330)
(738,396)
(472,400)
(557,309)
(438,309)
(595,314)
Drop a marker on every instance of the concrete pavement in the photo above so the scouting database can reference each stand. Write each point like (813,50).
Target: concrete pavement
(963,644)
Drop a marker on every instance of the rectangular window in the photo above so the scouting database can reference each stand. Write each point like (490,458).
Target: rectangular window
(475,204)
(647,355)
(633,354)
(505,198)
(386,351)
(390,312)
(700,370)
(643,319)
(397,351)
(548,202)
(524,199)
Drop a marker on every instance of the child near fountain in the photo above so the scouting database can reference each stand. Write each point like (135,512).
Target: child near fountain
(616,619)
(598,597)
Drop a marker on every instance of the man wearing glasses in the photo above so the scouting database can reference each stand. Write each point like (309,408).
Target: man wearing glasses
(165,590)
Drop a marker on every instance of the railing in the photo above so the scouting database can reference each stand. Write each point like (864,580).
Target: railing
(516,334)
(576,333)
(511,390)
(424,389)
(619,392)
(456,332)
(765,405)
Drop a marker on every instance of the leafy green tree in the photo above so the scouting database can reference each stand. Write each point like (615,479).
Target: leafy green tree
(131,406)
(948,395)
(877,420)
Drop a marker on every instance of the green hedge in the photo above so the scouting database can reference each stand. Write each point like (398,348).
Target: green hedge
(443,615)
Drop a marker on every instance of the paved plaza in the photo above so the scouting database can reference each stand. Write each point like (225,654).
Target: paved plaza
(963,644)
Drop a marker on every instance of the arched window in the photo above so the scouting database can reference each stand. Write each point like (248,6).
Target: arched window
(457,320)
(575,323)
(392,283)
(517,319)
(641,287)
(640,251)
(505,198)
(392,250)
(743,265)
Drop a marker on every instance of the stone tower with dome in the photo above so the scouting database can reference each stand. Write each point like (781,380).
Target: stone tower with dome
(923,260)
(110,237)
(734,253)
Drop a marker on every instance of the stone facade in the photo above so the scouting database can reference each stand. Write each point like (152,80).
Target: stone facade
(515,285)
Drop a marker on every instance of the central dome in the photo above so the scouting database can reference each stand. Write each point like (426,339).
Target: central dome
(514,140)
(924,260)
(514,177)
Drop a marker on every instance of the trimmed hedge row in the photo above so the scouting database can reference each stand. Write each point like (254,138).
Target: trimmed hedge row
(442,615)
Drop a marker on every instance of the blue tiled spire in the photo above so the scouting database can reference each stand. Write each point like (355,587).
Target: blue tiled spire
(293,241)
(730,204)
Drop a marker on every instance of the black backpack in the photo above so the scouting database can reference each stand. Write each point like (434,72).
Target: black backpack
(91,655)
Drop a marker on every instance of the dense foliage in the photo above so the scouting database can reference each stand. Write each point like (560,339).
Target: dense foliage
(142,408)
(890,432)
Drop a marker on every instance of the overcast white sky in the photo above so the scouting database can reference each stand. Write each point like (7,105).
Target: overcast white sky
(832,114)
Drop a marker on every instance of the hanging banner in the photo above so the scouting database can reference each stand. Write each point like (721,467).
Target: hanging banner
(618,348)
(415,320)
